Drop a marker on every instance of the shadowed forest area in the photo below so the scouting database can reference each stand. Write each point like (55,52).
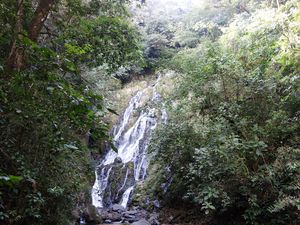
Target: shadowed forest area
(150,112)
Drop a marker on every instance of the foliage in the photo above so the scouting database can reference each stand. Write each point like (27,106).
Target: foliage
(104,40)
(232,143)
(48,108)
(42,123)
(168,26)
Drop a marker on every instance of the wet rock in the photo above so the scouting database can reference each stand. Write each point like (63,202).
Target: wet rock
(118,160)
(141,222)
(154,219)
(118,208)
(131,220)
(91,216)
(131,216)
(128,216)
(112,216)
(131,212)
(156,204)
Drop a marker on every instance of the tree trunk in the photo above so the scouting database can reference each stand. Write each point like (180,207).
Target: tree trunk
(15,59)
(39,18)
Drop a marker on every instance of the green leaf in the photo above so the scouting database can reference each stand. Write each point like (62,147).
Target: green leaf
(70,66)
(10,181)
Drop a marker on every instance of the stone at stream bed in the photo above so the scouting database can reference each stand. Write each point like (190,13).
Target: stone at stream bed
(134,216)
(91,215)
(111,216)
(154,219)
(128,217)
(118,160)
(118,208)
(131,212)
(114,223)
(131,216)
(156,204)
(131,219)
(115,214)
(141,222)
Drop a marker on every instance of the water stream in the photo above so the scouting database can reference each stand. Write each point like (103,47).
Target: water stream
(118,172)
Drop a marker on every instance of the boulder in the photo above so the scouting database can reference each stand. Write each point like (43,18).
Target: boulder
(118,160)
(131,219)
(156,204)
(91,215)
(112,216)
(118,208)
(133,215)
(141,222)
(154,219)
(131,212)
(128,216)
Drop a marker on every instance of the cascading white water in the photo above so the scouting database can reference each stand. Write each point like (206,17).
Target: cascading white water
(97,202)
(99,187)
(126,196)
(132,150)
(133,104)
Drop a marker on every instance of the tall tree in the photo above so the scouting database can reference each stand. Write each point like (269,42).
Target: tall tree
(16,58)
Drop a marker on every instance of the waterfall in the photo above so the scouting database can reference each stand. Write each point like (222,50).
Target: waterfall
(118,173)
(99,187)
(125,197)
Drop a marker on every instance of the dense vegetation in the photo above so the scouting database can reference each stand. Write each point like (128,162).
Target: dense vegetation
(231,146)
(47,107)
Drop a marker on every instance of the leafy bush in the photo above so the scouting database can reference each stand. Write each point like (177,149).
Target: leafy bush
(42,127)
(232,143)
(48,107)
